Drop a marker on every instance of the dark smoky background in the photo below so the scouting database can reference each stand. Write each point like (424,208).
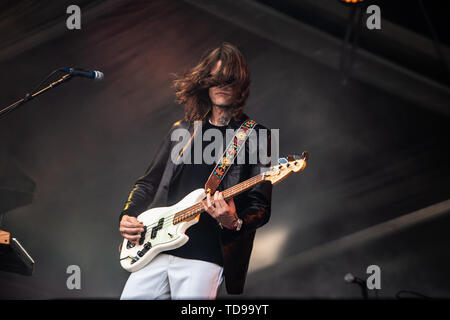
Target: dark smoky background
(377,136)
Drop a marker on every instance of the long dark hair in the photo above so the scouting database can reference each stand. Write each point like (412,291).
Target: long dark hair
(191,89)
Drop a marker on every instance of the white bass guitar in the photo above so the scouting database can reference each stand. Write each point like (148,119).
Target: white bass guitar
(165,227)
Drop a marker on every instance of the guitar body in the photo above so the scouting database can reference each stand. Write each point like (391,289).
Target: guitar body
(161,234)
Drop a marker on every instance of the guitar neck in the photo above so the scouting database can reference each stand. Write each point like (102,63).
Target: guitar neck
(196,209)
(241,187)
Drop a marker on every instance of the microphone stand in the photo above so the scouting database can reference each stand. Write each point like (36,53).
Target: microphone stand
(28,96)
(350,278)
(364,292)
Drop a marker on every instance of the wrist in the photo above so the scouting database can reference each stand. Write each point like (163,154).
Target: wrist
(236,225)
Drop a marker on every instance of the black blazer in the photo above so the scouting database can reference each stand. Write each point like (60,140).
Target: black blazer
(252,206)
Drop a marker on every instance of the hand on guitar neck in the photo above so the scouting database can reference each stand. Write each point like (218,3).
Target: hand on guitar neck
(221,210)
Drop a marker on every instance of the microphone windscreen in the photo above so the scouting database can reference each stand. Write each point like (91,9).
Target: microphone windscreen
(349,278)
(98,75)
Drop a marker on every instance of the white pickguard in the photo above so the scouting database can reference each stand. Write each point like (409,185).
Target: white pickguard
(169,237)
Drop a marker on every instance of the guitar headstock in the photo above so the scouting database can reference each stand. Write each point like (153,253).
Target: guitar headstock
(286,166)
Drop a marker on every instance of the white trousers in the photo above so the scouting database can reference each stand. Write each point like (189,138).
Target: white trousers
(170,277)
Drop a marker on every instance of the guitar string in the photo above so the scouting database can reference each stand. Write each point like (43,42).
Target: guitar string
(197,209)
(192,211)
(245,184)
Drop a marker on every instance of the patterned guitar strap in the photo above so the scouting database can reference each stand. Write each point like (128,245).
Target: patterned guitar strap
(229,155)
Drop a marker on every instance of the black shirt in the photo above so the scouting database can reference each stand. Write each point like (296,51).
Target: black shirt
(204,243)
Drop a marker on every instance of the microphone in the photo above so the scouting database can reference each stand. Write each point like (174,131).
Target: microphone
(350,278)
(96,75)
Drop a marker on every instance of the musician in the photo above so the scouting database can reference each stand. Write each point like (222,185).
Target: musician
(213,92)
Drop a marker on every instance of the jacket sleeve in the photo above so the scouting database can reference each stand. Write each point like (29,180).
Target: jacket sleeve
(257,209)
(254,205)
(144,190)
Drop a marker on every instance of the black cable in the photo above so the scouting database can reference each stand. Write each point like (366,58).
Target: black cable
(434,35)
(419,295)
(350,43)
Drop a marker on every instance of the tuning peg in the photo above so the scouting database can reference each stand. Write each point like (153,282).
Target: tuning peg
(282,160)
(293,157)
(304,156)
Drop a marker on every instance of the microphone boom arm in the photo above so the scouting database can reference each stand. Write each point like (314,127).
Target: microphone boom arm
(28,96)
